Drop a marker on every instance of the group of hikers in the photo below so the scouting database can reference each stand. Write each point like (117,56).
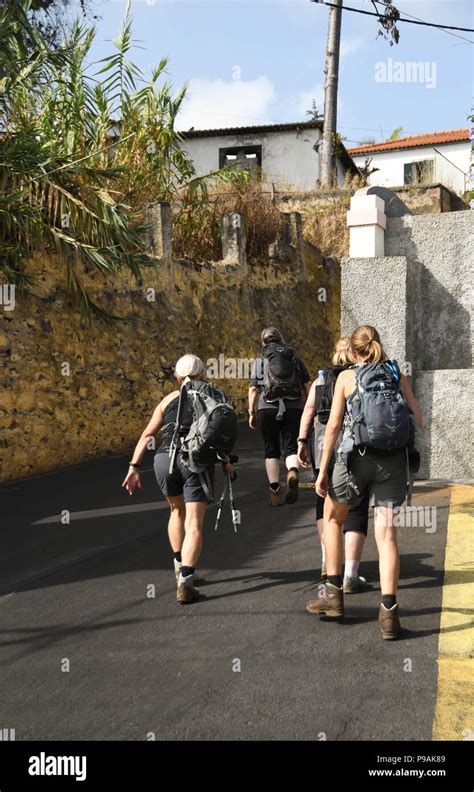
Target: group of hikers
(353,426)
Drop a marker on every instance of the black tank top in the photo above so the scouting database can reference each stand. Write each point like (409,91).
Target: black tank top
(170,415)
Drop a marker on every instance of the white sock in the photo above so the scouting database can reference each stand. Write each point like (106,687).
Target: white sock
(351,569)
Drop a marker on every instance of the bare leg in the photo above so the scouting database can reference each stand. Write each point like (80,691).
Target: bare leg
(292,461)
(272,466)
(334,515)
(192,545)
(320,530)
(389,558)
(176,523)
(353,546)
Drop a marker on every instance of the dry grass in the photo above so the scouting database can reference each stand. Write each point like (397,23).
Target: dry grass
(196,226)
(326,228)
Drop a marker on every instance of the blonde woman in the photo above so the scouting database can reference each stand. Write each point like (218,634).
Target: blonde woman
(182,488)
(382,474)
(356,524)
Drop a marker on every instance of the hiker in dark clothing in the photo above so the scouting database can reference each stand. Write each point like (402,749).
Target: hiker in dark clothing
(278,387)
(182,488)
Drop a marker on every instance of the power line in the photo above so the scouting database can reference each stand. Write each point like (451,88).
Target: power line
(400,19)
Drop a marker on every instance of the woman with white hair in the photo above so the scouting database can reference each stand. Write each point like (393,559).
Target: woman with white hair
(182,488)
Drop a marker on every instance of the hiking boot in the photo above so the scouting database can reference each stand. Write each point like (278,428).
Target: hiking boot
(276,497)
(186,593)
(354,585)
(331,604)
(389,622)
(292,481)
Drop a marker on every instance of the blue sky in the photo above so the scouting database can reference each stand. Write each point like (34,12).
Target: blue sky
(249,62)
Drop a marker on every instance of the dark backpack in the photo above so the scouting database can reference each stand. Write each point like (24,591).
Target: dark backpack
(325,393)
(381,418)
(281,375)
(213,432)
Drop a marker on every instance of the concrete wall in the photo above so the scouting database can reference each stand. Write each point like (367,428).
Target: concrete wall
(118,374)
(419,296)
(439,250)
(451,164)
(447,443)
(288,157)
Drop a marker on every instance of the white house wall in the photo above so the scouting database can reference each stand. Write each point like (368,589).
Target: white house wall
(390,164)
(288,157)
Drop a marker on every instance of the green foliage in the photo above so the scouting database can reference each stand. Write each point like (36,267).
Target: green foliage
(66,185)
(396,133)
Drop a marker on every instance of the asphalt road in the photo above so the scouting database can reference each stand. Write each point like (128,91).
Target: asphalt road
(77,596)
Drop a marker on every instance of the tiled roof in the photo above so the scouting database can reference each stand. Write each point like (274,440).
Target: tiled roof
(248,130)
(413,141)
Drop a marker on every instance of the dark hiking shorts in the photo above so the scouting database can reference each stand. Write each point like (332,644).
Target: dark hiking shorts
(181,481)
(383,476)
(356,520)
(280,437)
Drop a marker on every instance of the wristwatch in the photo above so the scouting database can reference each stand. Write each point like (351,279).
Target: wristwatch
(252,412)
(302,439)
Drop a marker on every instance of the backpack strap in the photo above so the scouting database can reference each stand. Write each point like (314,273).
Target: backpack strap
(176,440)
(206,484)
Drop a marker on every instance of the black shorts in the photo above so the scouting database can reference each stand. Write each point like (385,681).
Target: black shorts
(181,481)
(356,520)
(280,437)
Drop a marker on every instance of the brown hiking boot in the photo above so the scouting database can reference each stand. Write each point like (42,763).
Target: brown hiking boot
(276,497)
(389,622)
(292,481)
(330,604)
(185,594)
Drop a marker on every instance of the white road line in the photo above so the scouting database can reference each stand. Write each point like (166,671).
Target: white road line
(112,511)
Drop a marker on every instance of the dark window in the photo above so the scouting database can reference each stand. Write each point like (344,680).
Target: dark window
(241,157)
(421,172)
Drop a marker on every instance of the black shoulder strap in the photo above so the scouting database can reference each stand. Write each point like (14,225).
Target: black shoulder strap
(183,397)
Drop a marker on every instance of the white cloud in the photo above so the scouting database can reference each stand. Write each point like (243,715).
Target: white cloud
(304,99)
(214,104)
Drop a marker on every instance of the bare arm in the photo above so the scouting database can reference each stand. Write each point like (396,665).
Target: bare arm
(308,413)
(253,396)
(410,399)
(334,424)
(132,478)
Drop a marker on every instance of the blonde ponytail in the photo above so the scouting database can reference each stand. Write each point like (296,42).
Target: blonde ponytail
(365,342)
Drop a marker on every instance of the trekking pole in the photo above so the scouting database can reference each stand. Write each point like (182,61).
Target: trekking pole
(221,503)
(235,512)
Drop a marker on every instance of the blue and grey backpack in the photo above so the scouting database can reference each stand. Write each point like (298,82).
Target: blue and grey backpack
(381,418)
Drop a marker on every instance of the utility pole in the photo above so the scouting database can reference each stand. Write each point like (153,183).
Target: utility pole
(331,71)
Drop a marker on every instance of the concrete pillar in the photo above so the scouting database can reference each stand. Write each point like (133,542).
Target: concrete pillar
(234,238)
(375,291)
(367,222)
(292,229)
(158,217)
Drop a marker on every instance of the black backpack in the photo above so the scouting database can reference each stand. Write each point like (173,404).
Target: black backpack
(325,393)
(281,376)
(213,432)
(381,418)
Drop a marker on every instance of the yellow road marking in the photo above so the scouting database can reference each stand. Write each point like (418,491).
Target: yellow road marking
(454,714)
